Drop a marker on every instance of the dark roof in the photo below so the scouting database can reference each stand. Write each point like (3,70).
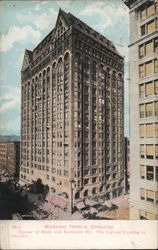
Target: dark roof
(128,2)
(71,20)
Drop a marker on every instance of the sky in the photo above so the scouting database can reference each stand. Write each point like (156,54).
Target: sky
(23,24)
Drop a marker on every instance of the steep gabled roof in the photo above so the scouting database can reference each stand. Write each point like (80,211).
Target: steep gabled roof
(27,60)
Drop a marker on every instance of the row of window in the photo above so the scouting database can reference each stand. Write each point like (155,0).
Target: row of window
(148,48)
(149,27)
(148,109)
(147,216)
(149,151)
(149,173)
(149,130)
(148,89)
(149,195)
(148,68)
(147,11)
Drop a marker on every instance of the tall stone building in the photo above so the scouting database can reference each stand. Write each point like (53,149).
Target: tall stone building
(72,122)
(143,51)
(10,157)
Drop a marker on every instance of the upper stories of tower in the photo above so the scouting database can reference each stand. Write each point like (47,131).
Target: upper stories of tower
(64,22)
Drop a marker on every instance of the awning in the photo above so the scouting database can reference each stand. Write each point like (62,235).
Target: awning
(80,205)
(56,201)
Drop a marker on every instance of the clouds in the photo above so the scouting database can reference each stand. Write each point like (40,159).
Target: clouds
(37,7)
(108,14)
(41,21)
(16,34)
(10,99)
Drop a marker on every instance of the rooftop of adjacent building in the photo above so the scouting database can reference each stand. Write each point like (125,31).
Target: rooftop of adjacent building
(131,3)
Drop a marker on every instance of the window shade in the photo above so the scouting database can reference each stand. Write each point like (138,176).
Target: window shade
(148,69)
(149,149)
(156,87)
(149,48)
(142,213)
(151,27)
(142,193)
(142,130)
(150,194)
(150,216)
(143,14)
(142,149)
(156,108)
(156,129)
(141,51)
(142,171)
(156,150)
(141,90)
(155,66)
(149,130)
(149,109)
(150,10)
(141,71)
(149,88)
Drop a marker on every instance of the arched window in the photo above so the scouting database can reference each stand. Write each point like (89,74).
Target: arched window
(94,191)
(77,195)
(107,186)
(85,193)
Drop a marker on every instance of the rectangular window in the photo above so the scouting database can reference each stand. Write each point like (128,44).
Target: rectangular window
(156,173)
(142,131)
(142,111)
(156,108)
(156,87)
(142,172)
(155,66)
(150,216)
(150,173)
(141,71)
(156,197)
(142,151)
(149,151)
(150,195)
(156,45)
(143,30)
(150,10)
(142,215)
(149,89)
(150,26)
(141,51)
(149,48)
(143,14)
(149,130)
(149,109)
(156,129)
(156,151)
(148,68)
(142,194)
(141,90)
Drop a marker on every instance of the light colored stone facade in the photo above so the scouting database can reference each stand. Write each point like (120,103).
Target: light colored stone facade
(143,51)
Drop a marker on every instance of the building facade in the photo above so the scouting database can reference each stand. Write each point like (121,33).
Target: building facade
(72,122)
(10,157)
(143,51)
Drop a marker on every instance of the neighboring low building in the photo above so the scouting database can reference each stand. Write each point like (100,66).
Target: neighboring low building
(127,164)
(10,157)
